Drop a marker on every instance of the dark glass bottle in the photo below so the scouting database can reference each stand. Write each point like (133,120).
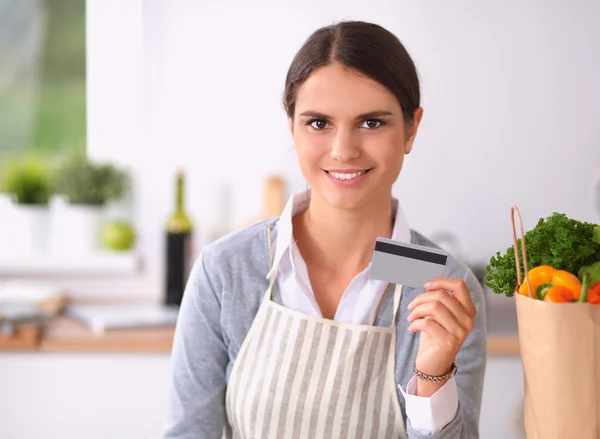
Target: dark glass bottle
(179,233)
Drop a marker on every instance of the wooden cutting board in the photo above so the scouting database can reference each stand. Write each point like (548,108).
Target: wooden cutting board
(23,337)
(274,199)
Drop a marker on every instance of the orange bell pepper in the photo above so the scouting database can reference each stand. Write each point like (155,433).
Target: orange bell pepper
(545,277)
(569,280)
(537,276)
(558,294)
(590,294)
(594,294)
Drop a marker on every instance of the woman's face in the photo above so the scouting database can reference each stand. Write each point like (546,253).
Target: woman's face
(350,136)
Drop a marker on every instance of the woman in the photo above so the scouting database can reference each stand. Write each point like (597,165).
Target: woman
(282,334)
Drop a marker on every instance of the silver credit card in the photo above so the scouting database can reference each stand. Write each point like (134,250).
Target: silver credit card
(406,264)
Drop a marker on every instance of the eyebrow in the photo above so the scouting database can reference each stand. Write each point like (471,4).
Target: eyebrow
(370,114)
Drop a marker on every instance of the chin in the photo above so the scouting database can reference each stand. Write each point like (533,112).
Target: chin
(350,200)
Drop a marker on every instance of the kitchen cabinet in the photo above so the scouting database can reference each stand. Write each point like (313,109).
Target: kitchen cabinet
(124,396)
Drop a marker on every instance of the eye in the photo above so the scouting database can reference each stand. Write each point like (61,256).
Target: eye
(317,124)
(372,123)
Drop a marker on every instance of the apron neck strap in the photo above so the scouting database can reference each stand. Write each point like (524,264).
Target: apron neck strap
(396,302)
(273,270)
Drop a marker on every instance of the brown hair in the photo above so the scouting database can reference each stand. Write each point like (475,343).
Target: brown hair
(365,47)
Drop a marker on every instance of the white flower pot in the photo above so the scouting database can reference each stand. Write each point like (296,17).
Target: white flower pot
(23,228)
(74,229)
(6,220)
(34,223)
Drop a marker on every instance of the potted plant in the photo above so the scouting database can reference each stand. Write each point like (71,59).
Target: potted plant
(26,179)
(84,188)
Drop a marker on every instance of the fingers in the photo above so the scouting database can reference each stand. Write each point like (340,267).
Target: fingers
(444,298)
(456,322)
(459,291)
(433,329)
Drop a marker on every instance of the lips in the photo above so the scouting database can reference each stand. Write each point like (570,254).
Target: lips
(347,174)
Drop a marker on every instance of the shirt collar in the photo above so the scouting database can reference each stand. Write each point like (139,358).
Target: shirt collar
(299,201)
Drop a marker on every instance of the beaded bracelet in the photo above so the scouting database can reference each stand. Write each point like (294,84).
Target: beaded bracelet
(436,379)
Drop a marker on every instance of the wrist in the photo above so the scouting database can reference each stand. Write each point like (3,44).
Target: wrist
(433,370)
(429,383)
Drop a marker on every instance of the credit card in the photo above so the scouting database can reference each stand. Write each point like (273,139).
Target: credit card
(406,264)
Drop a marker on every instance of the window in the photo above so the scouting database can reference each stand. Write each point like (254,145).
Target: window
(42,76)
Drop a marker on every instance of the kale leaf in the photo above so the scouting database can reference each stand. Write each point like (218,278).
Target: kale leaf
(558,241)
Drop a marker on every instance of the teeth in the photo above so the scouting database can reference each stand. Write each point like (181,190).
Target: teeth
(341,176)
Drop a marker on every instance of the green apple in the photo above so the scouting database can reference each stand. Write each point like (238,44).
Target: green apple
(118,235)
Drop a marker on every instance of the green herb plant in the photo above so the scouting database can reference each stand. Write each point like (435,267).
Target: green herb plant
(28,178)
(85,182)
(558,241)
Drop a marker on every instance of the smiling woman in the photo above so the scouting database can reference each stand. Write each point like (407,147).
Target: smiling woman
(282,331)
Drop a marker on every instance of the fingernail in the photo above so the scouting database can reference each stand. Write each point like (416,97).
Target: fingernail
(410,305)
(427,284)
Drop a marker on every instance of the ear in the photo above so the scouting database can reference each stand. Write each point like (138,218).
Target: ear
(412,130)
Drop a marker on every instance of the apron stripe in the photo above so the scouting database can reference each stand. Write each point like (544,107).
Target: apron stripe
(359,356)
(358,419)
(298,378)
(350,369)
(258,363)
(323,356)
(360,366)
(310,366)
(265,404)
(295,362)
(326,374)
(370,422)
(334,390)
(277,393)
(382,421)
(389,433)
(265,367)
(248,362)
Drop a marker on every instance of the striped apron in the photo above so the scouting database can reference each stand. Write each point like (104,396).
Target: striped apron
(298,376)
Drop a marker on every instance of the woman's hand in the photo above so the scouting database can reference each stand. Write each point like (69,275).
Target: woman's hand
(445,320)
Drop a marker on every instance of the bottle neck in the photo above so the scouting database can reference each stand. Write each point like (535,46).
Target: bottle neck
(179,207)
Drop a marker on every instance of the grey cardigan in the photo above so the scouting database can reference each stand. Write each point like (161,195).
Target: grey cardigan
(222,296)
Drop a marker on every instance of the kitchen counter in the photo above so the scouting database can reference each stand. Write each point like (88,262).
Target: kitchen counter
(66,335)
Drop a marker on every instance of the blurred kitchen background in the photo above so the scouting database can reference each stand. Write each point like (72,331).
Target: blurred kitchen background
(107,107)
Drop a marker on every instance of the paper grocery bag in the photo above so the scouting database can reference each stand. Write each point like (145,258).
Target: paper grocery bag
(560,351)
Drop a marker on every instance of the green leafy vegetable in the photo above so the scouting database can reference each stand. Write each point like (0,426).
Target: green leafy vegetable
(593,272)
(558,241)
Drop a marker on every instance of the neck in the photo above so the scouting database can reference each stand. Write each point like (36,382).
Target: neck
(327,235)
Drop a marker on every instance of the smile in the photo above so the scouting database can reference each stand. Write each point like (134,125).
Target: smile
(347,175)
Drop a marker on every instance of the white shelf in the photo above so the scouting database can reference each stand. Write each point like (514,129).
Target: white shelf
(97,264)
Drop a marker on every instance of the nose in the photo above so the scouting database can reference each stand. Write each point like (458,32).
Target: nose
(344,147)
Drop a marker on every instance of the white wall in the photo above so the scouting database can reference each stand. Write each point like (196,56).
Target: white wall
(510,92)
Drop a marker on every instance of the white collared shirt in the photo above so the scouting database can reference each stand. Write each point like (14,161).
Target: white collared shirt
(358,305)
